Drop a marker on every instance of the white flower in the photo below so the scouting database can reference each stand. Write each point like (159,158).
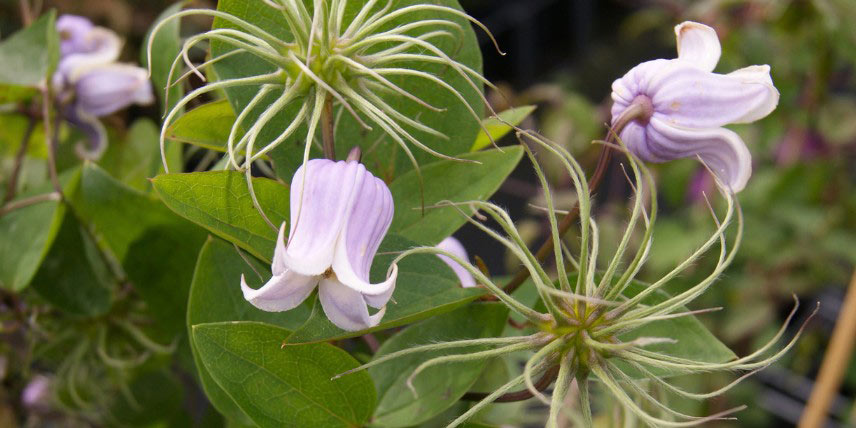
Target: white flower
(336,228)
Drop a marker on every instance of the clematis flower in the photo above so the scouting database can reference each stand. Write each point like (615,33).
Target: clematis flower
(684,106)
(336,228)
(455,247)
(90,83)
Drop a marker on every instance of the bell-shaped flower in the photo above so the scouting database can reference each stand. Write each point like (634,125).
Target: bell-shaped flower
(455,247)
(89,83)
(684,106)
(340,213)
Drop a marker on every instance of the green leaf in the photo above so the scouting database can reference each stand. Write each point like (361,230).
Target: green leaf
(30,55)
(220,202)
(425,287)
(215,296)
(284,386)
(205,126)
(386,160)
(165,48)
(138,229)
(136,158)
(497,128)
(447,181)
(438,387)
(73,276)
(26,234)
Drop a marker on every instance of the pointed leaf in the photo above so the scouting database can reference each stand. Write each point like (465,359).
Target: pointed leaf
(447,181)
(30,55)
(220,202)
(205,126)
(284,386)
(498,128)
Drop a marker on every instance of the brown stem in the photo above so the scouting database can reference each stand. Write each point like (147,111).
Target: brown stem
(634,111)
(15,205)
(49,139)
(327,129)
(524,394)
(26,13)
(835,363)
(12,185)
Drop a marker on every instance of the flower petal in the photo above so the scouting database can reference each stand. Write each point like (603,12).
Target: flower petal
(281,293)
(361,235)
(278,267)
(105,89)
(102,47)
(346,307)
(318,216)
(72,31)
(698,45)
(90,126)
(721,149)
(694,98)
(455,247)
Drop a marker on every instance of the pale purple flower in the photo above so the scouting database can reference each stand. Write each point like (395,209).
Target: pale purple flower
(336,228)
(36,394)
(455,247)
(90,83)
(686,105)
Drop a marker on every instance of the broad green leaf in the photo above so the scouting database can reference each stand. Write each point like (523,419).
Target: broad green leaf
(139,230)
(118,213)
(215,296)
(30,55)
(497,128)
(385,159)
(165,48)
(14,93)
(220,202)
(425,287)
(135,159)
(74,277)
(26,234)
(447,181)
(284,386)
(440,386)
(205,126)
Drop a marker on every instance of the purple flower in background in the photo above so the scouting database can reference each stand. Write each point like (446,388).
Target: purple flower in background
(90,83)
(685,106)
(36,394)
(336,228)
(455,247)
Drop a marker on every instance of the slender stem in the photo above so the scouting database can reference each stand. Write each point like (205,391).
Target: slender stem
(12,185)
(630,114)
(327,128)
(12,206)
(523,394)
(26,13)
(835,362)
(49,139)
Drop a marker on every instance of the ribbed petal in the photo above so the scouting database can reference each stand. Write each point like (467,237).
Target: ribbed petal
(698,45)
(317,218)
(361,235)
(346,307)
(691,97)
(281,293)
(106,89)
(721,149)
(455,247)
